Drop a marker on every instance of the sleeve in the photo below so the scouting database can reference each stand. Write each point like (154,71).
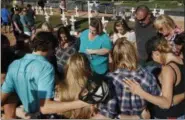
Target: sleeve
(132,36)
(110,108)
(77,44)
(107,42)
(14,18)
(46,83)
(8,85)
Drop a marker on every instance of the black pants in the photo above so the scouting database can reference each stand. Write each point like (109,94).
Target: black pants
(61,11)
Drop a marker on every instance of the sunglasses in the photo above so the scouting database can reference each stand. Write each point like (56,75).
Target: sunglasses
(142,20)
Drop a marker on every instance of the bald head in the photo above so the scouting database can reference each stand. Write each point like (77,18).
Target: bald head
(143,14)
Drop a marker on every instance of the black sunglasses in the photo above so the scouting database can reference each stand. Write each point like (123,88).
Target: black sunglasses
(142,20)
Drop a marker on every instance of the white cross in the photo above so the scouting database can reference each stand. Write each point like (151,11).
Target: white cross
(73,20)
(104,22)
(36,10)
(51,11)
(45,12)
(76,9)
(41,12)
(154,12)
(47,17)
(161,12)
(132,10)
(73,25)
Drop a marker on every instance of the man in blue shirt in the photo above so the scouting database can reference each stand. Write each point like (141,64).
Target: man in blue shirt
(32,79)
(5,17)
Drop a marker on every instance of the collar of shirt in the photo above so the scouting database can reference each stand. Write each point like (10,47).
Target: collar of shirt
(35,56)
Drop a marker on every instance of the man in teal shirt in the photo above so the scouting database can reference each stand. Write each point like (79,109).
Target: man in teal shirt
(32,79)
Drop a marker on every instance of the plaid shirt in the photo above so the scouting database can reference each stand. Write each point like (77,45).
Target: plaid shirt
(123,101)
(63,55)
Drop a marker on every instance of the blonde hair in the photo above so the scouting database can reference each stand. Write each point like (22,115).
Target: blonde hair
(47,27)
(164,47)
(77,71)
(166,21)
(124,55)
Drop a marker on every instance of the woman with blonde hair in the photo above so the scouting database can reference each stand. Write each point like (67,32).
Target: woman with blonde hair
(126,67)
(166,26)
(171,102)
(78,75)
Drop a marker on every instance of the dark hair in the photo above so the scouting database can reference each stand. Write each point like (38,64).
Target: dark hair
(64,30)
(43,41)
(4,41)
(17,9)
(143,7)
(96,23)
(180,39)
(123,24)
(151,46)
(29,6)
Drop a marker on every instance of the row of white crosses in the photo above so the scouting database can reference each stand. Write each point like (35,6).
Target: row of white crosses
(161,12)
(39,11)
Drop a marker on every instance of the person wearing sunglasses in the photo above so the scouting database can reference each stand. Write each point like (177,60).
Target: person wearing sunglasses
(167,27)
(144,31)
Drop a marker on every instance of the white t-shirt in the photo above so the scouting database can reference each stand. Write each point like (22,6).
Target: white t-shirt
(61,5)
(131,36)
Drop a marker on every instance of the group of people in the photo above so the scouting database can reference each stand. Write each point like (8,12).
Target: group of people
(131,74)
(22,20)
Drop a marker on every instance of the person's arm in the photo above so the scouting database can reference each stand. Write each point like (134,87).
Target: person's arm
(48,106)
(163,101)
(8,85)
(102,51)
(106,47)
(99,116)
(4,97)
(16,26)
(178,98)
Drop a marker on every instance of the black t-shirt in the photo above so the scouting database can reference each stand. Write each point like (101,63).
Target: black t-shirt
(16,19)
(7,57)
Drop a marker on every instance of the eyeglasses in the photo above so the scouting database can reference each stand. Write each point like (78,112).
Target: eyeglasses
(142,20)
